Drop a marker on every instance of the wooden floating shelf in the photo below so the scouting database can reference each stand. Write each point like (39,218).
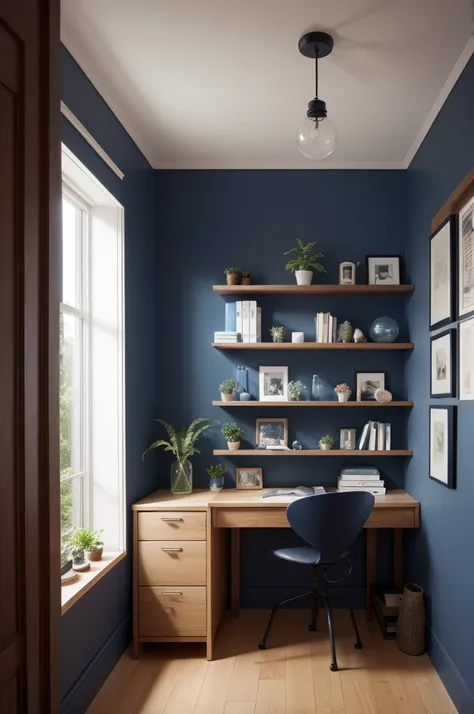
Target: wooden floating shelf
(312,452)
(313,289)
(277,346)
(279,405)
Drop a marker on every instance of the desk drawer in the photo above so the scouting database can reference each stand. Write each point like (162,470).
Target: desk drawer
(172,612)
(167,562)
(392,518)
(172,525)
(250,518)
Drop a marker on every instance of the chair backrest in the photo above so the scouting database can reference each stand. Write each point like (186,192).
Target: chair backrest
(330,522)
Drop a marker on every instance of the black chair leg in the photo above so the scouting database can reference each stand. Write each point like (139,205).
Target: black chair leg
(314,612)
(358,645)
(333,666)
(263,644)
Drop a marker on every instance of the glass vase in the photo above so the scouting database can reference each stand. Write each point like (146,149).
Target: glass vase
(316,388)
(216,483)
(181,477)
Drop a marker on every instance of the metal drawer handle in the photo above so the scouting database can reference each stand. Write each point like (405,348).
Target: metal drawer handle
(172,550)
(170,592)
(172,520)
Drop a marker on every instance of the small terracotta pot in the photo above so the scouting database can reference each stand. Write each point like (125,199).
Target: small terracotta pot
(233,278)
(325,447)
(226,397)
(94,555)
(246,281)
(233,445)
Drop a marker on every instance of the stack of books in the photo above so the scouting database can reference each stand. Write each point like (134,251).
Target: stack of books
(326,327)
(244,318)
(376,437)
(227,337)
(360,478)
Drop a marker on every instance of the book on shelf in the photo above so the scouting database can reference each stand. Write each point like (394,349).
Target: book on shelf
(388,437)
(255,334)
(245,320)
(361,482)
(326,327)
(248,320)
(230,316)
(380,437)
(375,490)
(226,337)
(376,436)
(360,472)
(372,436)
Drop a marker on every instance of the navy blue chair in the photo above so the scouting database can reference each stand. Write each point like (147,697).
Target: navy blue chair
(328,524)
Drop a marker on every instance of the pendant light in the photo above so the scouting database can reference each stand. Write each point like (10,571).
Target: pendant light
(317,134)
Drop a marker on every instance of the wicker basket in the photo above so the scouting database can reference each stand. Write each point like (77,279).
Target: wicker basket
(412,621)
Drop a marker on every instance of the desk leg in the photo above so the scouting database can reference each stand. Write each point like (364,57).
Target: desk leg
(371,560)
(398,557)
(235,571)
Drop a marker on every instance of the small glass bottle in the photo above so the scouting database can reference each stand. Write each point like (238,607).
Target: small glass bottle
(316,388)
(242,377)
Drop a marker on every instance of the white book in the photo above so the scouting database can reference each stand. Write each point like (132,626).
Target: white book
(388,437)
(375,491)
(364,437)
(319,329)
(330,328)
(369,484)
(259,324)
(253,321)
(238,317)
(381,437)
(325,327)
(334,329)
(373,436)
(245,320)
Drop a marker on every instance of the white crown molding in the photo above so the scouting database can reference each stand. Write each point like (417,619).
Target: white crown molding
(296,165)
(442,97)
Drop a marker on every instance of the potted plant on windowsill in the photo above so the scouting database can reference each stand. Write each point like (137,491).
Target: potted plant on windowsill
(90,542)
(233,434)
(233,275)
(326,442)
(227,389)
(304,262)
(79,563)
(216,477)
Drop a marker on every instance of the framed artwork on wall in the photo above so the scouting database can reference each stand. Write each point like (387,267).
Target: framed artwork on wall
(273,384)
(367,384)
(383,269)
(442,466)
(466,359)
(272,432)
(249,478)
(442,274)
(443,364)
(466,260)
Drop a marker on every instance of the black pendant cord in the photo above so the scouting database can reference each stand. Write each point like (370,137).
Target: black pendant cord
(316,75)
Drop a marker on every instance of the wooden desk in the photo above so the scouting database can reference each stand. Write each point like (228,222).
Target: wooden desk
(232,509)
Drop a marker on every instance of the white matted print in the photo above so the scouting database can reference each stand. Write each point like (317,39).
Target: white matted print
(443,361)
(249,478)
(466,359)
(367,384)
(442,288)
(273,384)
(383,270)
(466,259)
(442,445)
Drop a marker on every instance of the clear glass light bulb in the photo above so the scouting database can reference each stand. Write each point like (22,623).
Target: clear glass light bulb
(316,138)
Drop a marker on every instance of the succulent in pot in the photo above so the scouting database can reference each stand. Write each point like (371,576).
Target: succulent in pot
(228,388)
(233,275)
(326,442)
(246,278)
(79,562)
(304,261)
(216,476)
(343,392)
(295,390)
(90,541)
(277,332)
(232,433)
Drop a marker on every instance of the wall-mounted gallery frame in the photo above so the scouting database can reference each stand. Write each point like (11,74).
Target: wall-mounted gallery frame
(466,359)
(442,458)
(443,364)
(443,274)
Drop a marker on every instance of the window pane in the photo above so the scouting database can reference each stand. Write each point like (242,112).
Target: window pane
(71,507)
(70,397)
(71,254)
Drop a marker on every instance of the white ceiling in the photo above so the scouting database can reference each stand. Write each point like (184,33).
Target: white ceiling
(221,84)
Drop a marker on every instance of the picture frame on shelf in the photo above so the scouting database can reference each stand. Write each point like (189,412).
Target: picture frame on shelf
(443,274)
(271,432)
(466,260)
(443,364)
(466,359)
(442,459)
(367,383)
(273,384)
(383,269)
(347,439)
(347,273)
(249,479)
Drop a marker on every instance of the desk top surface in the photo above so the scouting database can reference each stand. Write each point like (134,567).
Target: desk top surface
(201,499)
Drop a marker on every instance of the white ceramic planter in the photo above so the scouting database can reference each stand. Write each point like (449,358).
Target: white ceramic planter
(343,396)
(304,277)
(233,445)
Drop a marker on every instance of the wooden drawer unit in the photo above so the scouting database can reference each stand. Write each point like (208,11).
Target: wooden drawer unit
(172,525)
(172,612)
(171,562)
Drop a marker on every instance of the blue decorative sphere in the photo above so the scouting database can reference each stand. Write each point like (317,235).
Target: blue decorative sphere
(384,329)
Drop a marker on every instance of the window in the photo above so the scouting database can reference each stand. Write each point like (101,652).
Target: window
(92,429)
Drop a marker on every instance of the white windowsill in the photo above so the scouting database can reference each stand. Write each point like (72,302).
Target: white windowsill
(73,592)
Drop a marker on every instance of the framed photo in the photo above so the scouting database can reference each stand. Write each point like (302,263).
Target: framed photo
(347,439)
(272,432)
(273,384)
(383,269)
(466,260)
(347,273)
(443,364)
(466,359)
(367,384)
(443,445)
(442,274)
(249,478)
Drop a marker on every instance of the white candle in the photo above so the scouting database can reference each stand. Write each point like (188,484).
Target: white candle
(297,336)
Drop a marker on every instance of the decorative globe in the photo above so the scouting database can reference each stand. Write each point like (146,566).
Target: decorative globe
(384,329)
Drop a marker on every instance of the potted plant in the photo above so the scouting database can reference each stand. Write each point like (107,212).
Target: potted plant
(78,559)
(89,541)
(326,442)
(246,278)
(346,331)
(234,276)
(343,392)
(295,390)
(277,332)
(227,389)
(233,434)
(304,261)
(182,444)
(216,477)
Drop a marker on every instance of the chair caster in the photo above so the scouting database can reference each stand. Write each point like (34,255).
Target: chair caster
(358,646)
(262,646)
(312,628)
(333,667)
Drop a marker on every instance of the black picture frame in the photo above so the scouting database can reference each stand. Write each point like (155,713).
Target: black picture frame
(373,372)
(381,255)
(452,293)
(450,481)
(451,333)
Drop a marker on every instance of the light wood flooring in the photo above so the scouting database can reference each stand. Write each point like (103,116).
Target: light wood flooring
(291,677)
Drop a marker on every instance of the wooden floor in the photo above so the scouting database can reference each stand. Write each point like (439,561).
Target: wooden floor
(291,677)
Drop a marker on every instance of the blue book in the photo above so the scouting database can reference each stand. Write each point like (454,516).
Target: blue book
(230,317)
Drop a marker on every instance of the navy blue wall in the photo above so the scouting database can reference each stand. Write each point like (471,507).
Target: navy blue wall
(440,555)
(96,630)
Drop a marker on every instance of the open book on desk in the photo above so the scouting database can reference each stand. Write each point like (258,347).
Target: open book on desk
(291,494)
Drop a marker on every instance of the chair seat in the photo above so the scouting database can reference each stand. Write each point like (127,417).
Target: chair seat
(305,555)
